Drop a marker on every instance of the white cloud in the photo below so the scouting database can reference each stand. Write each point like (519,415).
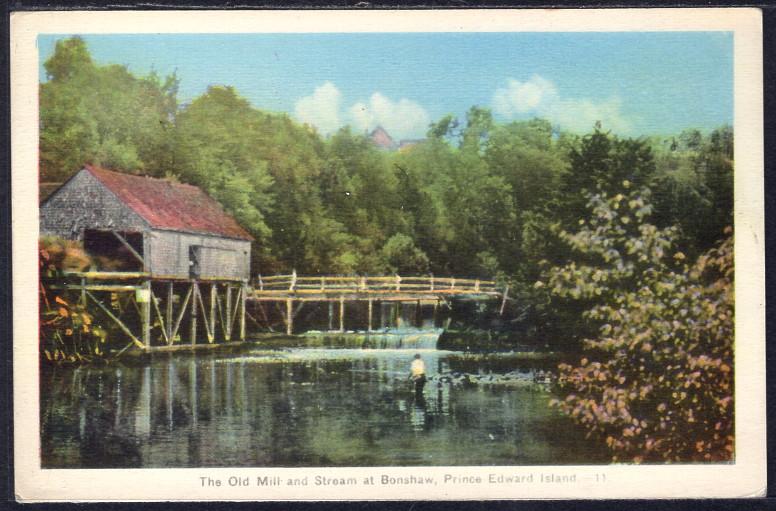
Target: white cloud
(401,119)
(321,109)
(540,97)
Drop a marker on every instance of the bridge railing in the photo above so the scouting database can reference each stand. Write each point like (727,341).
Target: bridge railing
(283,284)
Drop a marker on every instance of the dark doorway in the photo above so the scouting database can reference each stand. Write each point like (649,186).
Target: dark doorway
(110,253)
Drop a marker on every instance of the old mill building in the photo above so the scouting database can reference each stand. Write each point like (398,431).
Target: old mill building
(168,229)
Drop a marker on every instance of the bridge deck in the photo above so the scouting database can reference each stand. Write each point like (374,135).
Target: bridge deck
(394,288)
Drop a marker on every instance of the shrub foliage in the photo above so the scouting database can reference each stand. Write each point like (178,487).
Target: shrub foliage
(657,382)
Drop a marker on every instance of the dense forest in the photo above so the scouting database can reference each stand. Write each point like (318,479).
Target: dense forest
(619,245)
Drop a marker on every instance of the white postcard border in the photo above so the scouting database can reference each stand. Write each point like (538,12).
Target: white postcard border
(745,477)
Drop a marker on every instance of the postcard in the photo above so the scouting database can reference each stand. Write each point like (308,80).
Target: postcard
(421,255)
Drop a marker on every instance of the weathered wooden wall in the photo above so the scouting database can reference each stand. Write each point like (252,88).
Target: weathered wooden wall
(84,203)
(168,255)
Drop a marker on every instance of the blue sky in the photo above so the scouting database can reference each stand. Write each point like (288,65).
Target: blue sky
(635,83)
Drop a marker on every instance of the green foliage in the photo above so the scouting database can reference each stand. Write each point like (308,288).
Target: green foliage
(403,257)
(85,116)
(657,384)
(478,198)
(693,185)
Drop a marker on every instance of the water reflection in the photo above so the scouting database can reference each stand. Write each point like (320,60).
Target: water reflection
(301,408)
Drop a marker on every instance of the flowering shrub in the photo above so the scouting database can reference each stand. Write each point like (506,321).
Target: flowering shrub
(68,332)
(657,382)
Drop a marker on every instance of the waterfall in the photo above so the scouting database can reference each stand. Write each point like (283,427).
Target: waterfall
(408,339)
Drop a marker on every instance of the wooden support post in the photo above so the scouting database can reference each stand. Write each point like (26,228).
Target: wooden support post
(418,314)
(342,314)
(331,316)
(228,311)
(169,312)
(290,316)
(237,310)
(503,301)
(436,308)
(83,291)
(213,298)
(432,283)
(146,313)
(116,320)
(398,283)
(181,313)
(162,325)
(243,297)
(130,248)
(369,315)
(477,286)
(397,311)
(194,293)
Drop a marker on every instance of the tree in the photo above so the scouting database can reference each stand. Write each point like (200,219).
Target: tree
(600,162)
(215,151)
(657,381)
(84,113)
(403,257)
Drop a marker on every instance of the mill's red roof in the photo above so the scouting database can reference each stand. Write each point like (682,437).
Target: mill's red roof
(171,206)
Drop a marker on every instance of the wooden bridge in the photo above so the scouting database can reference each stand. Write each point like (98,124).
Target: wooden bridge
(157,312)
(293,289)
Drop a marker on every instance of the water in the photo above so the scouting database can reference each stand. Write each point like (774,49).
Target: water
(300,407)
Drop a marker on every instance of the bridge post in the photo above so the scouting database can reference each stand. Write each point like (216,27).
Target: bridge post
(369,321)
(331,316)
(503,301)
(436,307)
(342,314)
(289,316)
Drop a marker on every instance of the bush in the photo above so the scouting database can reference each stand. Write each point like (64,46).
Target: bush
(657,382)
(68,331)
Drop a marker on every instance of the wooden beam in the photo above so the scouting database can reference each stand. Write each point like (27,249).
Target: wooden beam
(146,313)
(116,320)
(209,328)
(213,295)
(331,316)
(342,314)
(181,313)
(169,311)
(266,317)
(228,313)
(194,292)
(161,317)
(369,316)
(236,310)
(290,316)
(243,297)
(130,248)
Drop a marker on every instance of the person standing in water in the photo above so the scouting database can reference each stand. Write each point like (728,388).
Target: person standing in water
(418,373)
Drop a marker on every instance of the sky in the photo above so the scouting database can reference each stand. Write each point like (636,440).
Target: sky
(636,83)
